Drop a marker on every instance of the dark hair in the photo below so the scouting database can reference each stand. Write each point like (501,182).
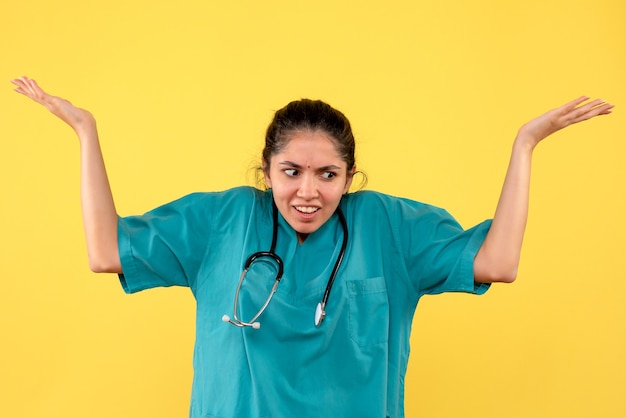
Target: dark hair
(309,115)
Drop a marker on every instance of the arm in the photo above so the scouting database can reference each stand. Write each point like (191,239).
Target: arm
(99,214)
(498,258)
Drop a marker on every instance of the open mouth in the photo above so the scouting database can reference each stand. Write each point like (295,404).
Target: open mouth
(306,210)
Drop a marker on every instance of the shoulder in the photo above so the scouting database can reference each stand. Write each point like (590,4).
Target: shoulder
(368,201)
(368,210)
(368,198)
(238,195)
(231,202)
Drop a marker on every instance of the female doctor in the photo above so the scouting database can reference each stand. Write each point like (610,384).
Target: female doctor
(305,293)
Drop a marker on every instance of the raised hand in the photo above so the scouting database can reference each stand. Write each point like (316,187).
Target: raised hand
(99,215)
(499,255)
(79,119)
(568,114)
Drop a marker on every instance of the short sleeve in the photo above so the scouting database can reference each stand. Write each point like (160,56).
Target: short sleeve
(165,246)
(439,253)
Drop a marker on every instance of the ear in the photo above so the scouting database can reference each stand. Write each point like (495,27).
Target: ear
(349,178)
(266,174)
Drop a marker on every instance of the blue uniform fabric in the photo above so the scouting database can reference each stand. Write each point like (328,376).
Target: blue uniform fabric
(354,364)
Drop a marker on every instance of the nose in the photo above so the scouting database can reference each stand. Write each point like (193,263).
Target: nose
(308,188)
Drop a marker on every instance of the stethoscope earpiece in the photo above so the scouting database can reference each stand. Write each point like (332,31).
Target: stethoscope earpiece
(237,323)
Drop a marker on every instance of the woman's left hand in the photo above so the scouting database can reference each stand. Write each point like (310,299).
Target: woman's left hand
(499,256)
(568,114)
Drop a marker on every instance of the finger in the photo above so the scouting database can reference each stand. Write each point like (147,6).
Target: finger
(589,107)
(605,110)
(19,82)
(23,86)
(582,112)
(567,107)
(19,88)
(601,108)
(33,87)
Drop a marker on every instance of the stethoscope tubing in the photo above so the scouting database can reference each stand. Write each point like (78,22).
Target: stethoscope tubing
(320,312)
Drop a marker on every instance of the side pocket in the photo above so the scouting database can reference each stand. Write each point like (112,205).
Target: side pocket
(369,311)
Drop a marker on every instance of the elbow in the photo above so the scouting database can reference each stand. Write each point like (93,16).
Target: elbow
(495,273)
(99,268)
(496,265)
(105,264)
(506,276)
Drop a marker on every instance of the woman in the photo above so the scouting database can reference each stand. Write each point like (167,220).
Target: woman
(335,334)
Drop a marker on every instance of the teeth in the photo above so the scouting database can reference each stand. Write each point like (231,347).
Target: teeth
(306,209)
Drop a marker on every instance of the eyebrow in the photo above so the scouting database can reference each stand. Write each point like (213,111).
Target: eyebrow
(323,168)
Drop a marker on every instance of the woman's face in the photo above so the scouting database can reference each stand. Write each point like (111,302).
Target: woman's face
(308,178)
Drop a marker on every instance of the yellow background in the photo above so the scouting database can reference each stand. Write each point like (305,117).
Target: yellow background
(183,91)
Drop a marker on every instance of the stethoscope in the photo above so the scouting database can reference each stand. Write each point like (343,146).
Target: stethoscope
(320,310)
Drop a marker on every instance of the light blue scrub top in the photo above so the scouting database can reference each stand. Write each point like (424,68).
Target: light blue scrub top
(354,364)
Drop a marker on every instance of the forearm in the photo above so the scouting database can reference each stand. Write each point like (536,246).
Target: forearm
(99,214)
(499,256)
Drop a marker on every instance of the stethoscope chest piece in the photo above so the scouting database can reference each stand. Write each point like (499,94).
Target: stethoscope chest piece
(320,314)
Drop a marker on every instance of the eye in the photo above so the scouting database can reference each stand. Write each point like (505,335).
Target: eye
(328,175)
(291,172)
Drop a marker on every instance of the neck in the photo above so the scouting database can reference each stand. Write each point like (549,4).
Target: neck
(301,237)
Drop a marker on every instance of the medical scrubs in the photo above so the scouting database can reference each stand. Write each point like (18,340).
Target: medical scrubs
(354,364)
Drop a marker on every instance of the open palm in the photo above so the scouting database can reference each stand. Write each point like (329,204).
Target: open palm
(76,117)
(561,117)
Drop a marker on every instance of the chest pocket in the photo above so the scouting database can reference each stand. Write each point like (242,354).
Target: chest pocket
(368,319)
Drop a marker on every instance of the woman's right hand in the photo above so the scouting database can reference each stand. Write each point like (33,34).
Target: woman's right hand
(99,215)
(81,120)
